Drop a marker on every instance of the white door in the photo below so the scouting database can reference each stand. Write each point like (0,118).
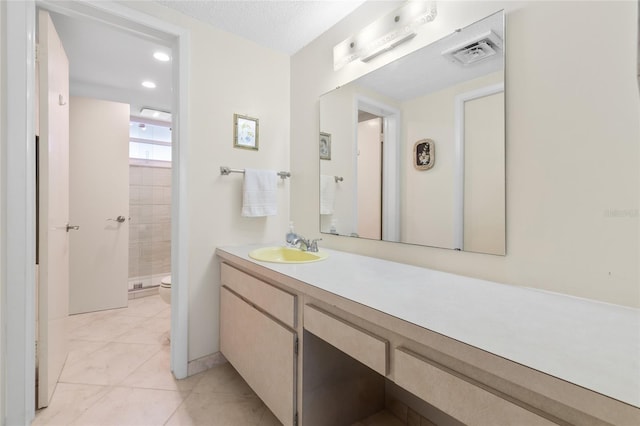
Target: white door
(53,207)
(370,179)
(484,207)
(99,194)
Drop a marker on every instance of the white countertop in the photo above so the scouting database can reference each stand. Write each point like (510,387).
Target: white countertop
(592,344)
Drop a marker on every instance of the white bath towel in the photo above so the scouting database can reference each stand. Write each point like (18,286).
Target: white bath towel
(327,194)
(259,197)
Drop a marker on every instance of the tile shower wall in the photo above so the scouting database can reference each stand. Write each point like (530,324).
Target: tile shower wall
(150,226)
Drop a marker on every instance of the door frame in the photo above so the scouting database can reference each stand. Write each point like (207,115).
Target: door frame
(391,152)
(18,242)
(458,157)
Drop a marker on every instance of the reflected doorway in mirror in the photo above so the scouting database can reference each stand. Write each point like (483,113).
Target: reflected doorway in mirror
(424,154)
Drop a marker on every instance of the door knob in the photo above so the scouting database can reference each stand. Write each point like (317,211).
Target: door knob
(74,227)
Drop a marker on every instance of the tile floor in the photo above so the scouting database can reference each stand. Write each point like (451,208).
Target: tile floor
(117,373)
(383,418)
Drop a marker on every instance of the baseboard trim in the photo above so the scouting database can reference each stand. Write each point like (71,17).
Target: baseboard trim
(206,362)
(143,292)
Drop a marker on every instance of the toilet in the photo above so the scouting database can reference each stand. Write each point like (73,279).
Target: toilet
(165,289)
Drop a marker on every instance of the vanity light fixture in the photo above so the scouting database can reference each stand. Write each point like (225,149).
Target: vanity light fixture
(384,34)
(149,84)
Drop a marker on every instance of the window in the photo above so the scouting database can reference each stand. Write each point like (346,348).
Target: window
(149,142)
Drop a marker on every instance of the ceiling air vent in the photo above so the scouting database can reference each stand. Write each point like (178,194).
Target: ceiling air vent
(475,50)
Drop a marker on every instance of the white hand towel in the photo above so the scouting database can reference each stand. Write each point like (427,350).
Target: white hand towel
(327,194)
(259,197)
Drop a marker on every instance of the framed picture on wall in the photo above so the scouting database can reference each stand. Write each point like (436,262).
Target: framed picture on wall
(424,154)
(245,132)
(325,146)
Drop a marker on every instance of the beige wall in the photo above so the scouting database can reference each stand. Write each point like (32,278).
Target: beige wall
(338,116)
(572,145)
(227,75)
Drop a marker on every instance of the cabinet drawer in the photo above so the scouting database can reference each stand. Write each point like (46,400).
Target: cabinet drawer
(262,351)
(355,342)
(278,303)
(456,396)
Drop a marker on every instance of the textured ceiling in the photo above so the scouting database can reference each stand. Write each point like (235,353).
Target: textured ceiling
(285,26)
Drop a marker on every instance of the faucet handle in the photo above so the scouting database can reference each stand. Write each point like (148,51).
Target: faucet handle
(293,238)
(313,245)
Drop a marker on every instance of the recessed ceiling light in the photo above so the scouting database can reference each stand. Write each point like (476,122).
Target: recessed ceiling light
(149,84)
(161,56)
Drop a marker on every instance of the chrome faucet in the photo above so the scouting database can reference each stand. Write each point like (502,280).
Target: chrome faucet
(310,245)
(305,244)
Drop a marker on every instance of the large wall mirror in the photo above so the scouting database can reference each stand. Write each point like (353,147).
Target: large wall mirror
(414,152)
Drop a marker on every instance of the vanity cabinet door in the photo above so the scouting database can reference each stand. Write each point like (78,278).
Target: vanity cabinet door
(262,351)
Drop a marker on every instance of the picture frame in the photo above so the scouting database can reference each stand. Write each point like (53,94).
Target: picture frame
(424,154)
(325,146)
(245,132)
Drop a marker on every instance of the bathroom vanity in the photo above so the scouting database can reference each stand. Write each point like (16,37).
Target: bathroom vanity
(319,342)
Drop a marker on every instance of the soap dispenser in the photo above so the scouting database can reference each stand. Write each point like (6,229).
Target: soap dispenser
(291,235)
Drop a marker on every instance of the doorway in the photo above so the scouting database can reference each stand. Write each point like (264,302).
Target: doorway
(149,251)
(389,162)
(370,160)
(20,241)
(473,111)
(97,188)
(107,67)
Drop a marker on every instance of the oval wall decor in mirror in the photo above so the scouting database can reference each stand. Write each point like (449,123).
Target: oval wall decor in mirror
(424,154)
(451,93)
